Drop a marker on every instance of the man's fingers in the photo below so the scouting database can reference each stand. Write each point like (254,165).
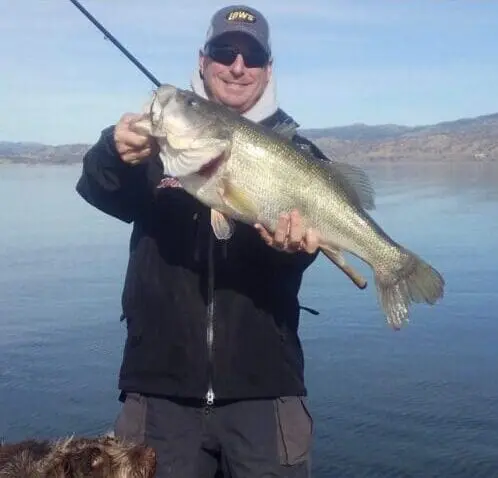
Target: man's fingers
(281,231)
(131,117)
(296,231)
(265,235)
(134,117)
(150,147)
(290,235)
(132,145)
(143,153)
(132,154)
(311,241)
(127,139)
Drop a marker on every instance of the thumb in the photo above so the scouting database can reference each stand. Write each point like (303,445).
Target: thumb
(141,123)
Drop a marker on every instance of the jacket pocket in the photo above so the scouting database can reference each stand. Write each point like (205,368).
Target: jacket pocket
(130,423)
(294,430)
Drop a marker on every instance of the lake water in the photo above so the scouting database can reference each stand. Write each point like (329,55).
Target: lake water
(422,402)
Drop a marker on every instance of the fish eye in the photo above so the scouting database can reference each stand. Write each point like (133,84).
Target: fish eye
(191,101)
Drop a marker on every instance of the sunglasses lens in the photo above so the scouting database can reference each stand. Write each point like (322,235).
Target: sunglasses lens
(222,54)
(256,59)
(226,55)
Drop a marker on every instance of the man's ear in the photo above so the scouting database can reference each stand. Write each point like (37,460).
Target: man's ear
(202,62)
(269,70)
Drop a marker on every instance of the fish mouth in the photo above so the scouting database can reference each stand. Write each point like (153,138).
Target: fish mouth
(164,94)
(161,99)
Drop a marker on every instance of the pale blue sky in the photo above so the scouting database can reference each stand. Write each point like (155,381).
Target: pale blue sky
(336,62)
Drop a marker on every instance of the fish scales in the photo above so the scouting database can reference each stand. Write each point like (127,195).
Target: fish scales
(266,170)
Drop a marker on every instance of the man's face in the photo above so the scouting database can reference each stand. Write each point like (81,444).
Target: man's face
(235,71)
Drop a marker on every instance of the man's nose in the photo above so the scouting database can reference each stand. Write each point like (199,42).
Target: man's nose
(238,65)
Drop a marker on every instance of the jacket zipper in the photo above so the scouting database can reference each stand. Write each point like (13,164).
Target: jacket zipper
(210,320)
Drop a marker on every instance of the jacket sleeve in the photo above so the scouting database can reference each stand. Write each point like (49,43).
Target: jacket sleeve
(294,260)
(108,183)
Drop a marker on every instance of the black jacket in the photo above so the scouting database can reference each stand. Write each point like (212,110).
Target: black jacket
(184,288)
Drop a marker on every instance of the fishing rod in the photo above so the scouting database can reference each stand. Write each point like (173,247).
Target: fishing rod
(109,36)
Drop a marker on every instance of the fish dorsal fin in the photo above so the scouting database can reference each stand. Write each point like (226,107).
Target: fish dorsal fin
(357,183)
(286,128)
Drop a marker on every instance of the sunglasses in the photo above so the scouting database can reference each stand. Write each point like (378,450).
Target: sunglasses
(226,55)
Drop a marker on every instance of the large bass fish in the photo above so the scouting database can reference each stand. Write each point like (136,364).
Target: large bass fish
(247,172)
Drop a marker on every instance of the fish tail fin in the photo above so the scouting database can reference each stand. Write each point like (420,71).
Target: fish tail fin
(413,280)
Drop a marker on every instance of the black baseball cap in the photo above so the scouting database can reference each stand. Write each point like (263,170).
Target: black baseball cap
(240,18)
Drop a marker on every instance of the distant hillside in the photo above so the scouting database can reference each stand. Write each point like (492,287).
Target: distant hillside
(358,131)
(466,139)
(37,153)
(461,140)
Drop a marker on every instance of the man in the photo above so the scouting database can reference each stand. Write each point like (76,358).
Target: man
(212,371)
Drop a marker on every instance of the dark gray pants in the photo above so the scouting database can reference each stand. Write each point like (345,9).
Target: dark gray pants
(241,439)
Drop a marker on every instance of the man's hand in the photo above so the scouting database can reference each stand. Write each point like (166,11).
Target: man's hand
(290,235)
(133,147)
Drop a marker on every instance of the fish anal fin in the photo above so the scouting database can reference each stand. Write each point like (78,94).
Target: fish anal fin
(222,225)
(335,255)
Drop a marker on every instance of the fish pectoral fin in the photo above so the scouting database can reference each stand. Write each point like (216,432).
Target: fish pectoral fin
(222,225)
(238,201)
(335,255)
(358,183)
